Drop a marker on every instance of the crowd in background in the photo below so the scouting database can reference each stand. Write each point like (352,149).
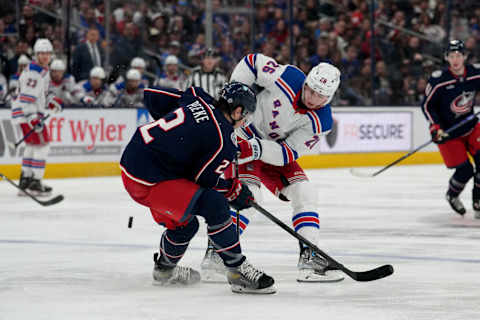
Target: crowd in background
(162,42)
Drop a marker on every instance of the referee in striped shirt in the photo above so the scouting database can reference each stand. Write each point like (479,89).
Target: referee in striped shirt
(208,76)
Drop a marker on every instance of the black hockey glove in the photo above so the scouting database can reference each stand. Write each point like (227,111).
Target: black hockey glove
(239,197)
(438,135)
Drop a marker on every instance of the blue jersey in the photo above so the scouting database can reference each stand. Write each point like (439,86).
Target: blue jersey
(449,98)
(189,139)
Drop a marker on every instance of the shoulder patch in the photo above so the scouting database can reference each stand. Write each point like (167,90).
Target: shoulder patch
(476,65)
(436,73)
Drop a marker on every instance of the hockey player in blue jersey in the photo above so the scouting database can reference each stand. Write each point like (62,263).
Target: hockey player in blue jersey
(449,99)
(173,166)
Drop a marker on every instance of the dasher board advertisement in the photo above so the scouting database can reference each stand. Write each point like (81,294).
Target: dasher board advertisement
(369,132)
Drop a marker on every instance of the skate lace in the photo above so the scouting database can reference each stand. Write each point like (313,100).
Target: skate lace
(181,273)
(250,272)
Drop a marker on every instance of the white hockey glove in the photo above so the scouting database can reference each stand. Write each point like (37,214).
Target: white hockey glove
(249,150)
(87,100)
(55,104)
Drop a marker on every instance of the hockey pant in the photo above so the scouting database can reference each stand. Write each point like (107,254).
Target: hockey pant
(289,183)
(455,156)
(175,205)
(35,152)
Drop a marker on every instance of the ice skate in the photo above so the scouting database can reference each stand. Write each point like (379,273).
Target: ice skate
(23,183)
(165,275)
(212,268)
(456,204)
(476,208)
(248,279)
(37,188)
(314,268)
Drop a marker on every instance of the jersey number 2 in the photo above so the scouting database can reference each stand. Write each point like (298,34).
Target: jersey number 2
(163,124)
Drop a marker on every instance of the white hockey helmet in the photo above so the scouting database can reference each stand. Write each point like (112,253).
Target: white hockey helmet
(324,78)
(138,62)
(133,74)
(97,72)
(57,64)
(42,45)
(171,59)
(23,59)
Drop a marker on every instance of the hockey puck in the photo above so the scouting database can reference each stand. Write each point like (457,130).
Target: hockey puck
(130,221)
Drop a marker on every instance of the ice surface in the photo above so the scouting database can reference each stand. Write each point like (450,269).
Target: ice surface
(78,259)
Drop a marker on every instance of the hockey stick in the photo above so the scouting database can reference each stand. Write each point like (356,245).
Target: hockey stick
(45,203)
(370,275)
(358,173)
(39,124)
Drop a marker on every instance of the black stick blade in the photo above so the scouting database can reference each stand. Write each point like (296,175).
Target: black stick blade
(371,275)
(52,201)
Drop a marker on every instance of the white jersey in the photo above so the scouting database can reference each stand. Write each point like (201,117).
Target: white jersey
(285,129)
(179,82)
(33,92)
(85,94)
(65,89)
(119,96)
(3,88)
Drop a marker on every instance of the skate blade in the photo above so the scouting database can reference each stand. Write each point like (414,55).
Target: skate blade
(39,194)
(311,276)
(212,276)
(243,290)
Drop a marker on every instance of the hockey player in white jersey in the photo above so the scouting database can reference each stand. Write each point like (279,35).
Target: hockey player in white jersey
(33,103)
(23,62)
(92,92)
(127,94)
(293,111)
(139,64)
(62,84)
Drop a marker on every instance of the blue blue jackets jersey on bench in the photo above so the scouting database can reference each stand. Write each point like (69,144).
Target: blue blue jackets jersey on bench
(189,139)
(449,99)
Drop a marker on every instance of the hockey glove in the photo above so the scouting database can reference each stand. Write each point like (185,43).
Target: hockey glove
(249,150)
(438,135)
(34,122)
(55,104)
(239,196)
(87,100)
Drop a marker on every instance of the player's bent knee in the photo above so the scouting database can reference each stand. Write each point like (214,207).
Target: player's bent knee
(463,172)
(213,206)
(302,194)
(184,233)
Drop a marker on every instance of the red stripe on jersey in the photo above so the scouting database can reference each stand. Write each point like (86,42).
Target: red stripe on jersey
(135,178)
(163,92)
(286,87)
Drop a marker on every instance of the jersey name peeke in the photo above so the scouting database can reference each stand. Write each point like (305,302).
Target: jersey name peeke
(198,111)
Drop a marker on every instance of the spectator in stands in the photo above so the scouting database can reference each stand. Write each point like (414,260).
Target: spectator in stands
(382,84)
(208,76)
(321,53)
(172,78)
(92,92)
(12,64)
(62,84)
(127,94)
(126,48)
(87,55)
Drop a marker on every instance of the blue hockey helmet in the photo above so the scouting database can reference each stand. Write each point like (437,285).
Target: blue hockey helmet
(238,94)
(455,45)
